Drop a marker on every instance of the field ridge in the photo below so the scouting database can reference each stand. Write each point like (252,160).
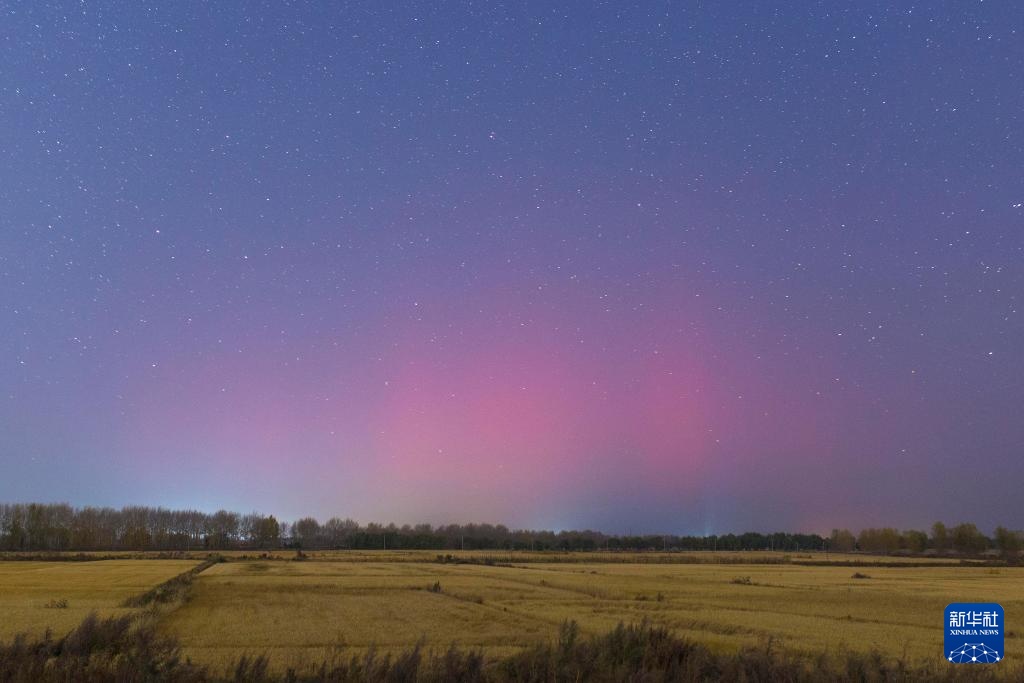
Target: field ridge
(173,588)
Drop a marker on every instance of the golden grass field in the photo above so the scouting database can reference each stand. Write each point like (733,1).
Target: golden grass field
(302,611)
(101,587)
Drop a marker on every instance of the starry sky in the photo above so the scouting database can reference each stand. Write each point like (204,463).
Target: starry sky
(686,267)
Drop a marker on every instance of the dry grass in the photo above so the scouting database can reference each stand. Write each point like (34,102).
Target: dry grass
(302,611)
(30,591)
(127,649)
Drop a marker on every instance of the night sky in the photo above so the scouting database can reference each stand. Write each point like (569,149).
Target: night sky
(680,267)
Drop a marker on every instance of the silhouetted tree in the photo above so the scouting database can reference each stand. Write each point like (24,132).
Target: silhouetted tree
(268,532)
(879,540)
(1008,542)
(306,532)
(915,541)
(968,540)
(842,540)
(940,537)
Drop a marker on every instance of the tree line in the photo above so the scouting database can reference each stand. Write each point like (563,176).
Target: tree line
(61,527)
(962,539)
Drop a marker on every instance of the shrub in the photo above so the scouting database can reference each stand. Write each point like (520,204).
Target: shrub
(113,649)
